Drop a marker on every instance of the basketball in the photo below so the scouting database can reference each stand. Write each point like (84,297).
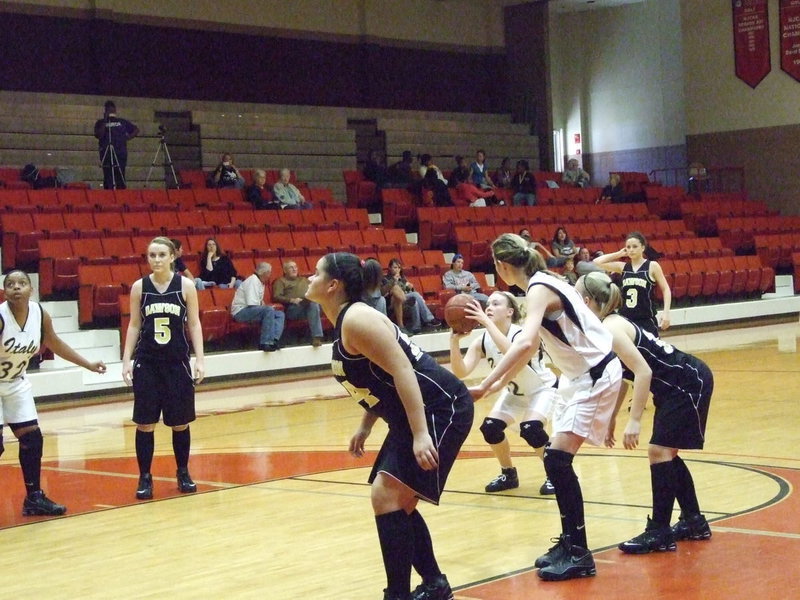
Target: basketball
(455,316)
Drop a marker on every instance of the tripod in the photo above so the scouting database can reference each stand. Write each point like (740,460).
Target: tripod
(162,147)
(110,160)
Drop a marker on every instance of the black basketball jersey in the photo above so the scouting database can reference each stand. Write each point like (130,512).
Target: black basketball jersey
(637,293)
(374,389)
(674,372)
(162,335)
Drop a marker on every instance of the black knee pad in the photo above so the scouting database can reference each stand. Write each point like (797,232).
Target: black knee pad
(492,430)
(2,447)
(32,442)
(556,462)
(533,432)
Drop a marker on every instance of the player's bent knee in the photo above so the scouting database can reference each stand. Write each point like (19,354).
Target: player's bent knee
(32,441)
(533,432)
(493,430)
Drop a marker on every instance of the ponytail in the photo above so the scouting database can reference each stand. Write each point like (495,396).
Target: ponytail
(350,270)
(515,251)
(599,287)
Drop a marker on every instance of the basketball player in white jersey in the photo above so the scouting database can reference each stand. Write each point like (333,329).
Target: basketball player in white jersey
(26,328)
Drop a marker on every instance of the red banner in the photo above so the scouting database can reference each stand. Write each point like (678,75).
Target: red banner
(790,37)
(751,40)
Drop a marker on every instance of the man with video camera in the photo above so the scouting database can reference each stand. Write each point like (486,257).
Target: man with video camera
(113,134)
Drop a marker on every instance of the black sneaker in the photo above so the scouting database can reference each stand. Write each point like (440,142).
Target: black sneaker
(144,490)
(436,589)
(691,528)
(434,324)
(575,562)
(387,595)
(555,553)
(37,504)
(547,488)
(185,483)
(507,480)
(654,539)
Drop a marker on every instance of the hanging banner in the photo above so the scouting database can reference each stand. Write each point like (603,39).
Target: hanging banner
(790,37)
(751,40)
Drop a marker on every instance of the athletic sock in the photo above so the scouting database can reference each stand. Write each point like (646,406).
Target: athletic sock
(145,445)
(30,459)
(424,560)
(663,483)
(396,536)
(181,444)
(684,489)
(558,466)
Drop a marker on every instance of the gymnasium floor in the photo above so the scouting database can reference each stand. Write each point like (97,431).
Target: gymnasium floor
(283,511)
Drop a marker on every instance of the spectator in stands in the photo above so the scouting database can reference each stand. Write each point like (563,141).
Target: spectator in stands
(462,281)
(216,269)
(584,263)
(290,290)
(113,134)
(259,194)
(569,271)
(479,172)
(287,193)
(375,168)
(373,290)
(400,294)
(524,185)
(613,192)
(574,175)
(460,173)
(503,176)
(433,183)
(401,172)
(180,266)
(248,307)
(226,175)
(426,164)
(562,247)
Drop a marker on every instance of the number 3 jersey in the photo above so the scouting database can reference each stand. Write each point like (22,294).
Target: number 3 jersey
(162,335)
(19,343)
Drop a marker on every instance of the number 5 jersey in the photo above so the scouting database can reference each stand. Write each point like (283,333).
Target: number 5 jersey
(162,335)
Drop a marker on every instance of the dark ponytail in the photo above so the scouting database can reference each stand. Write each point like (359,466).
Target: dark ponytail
(349,269)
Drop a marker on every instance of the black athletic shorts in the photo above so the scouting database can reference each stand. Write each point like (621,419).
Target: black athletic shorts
(449,423)
(680,419)
(163,387)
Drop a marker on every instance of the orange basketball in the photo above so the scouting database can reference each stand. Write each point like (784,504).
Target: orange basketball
(455,316)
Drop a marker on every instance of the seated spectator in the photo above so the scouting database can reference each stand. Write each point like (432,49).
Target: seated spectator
(433,182)
(574,175)
(287,194)
(375,168)
(216,269)
(248,307)
(569,271)
(524,185)
(461,172)
(226,175)
(613,192)
(180,266)
(584,263)
(290,290)
(462,281)
(426,163)
(562,247)
(373,290)
(400,293)
(503,176)
(400,173)
(479,172)
(259,194)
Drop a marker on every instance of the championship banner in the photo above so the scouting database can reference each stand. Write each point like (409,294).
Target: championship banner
(790,37)
(751,40)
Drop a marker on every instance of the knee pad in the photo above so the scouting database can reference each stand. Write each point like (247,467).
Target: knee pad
(2,447)
(32,442)
(492,430)
(533,432)
(556,461)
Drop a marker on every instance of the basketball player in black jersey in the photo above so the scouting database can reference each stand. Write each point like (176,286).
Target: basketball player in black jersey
(427,408)
(156,362)
(682,385)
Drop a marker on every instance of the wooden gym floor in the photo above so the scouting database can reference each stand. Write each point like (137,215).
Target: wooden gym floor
(283,511)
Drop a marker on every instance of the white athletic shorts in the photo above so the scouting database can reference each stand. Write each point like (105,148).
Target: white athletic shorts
(585,409)
(514,409)
(16,401)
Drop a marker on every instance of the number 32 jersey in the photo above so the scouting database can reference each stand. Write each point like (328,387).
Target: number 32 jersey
(19,343)
(162,335)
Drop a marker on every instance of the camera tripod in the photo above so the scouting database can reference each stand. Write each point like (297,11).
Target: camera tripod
(162,147)
(110,160)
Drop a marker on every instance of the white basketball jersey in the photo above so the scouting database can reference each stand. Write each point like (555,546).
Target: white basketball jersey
(574,337)
(19,344)
(531,377)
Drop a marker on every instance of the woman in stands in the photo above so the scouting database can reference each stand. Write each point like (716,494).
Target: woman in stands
(580,347)
(639,275)
(25,328)
(427,408)
(682,385)
(156,348)
(463,281)
(479,172)
(400,293)
(562,248)
(527,399)
(216,269)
